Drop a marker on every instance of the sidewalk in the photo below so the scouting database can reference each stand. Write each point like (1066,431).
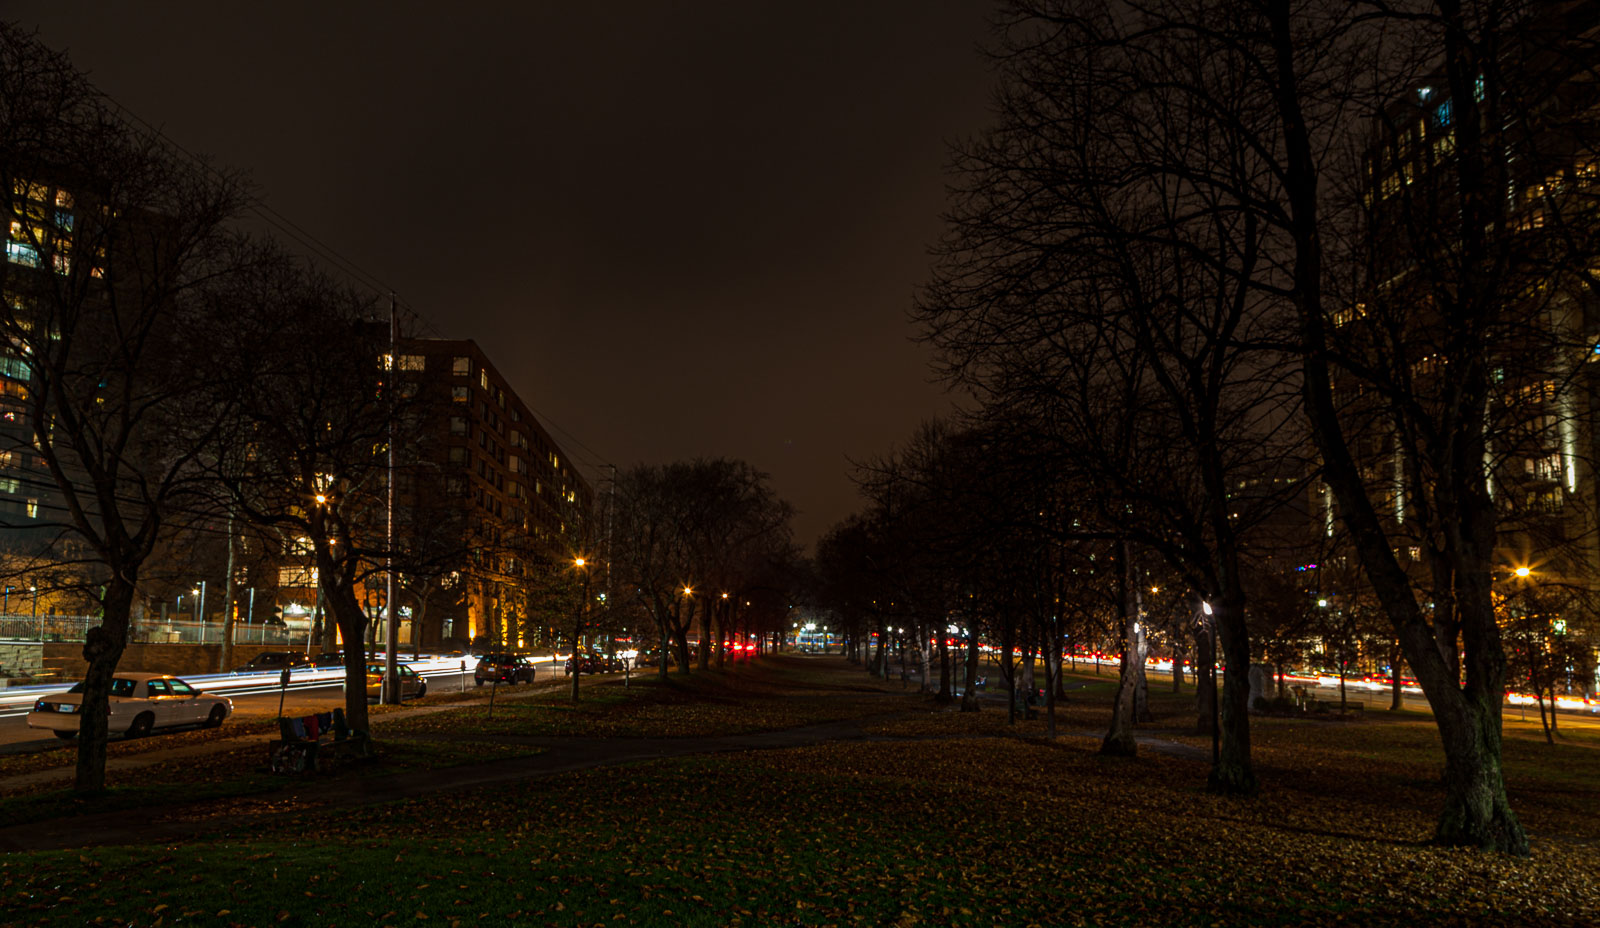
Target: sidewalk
(64,773)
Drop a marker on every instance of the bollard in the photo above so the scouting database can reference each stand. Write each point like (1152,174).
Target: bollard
(463,676)
(283,687)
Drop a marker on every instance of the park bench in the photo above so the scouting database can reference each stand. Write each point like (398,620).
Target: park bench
(315,743)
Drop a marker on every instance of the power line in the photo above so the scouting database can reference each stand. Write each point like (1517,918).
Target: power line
(326,252)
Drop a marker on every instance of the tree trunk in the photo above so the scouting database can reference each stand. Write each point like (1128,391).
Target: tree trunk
(1139,650)
(1538,695)
(680,646)
(1394,677)
(969,697)
(1177,665)
(351,620)
(703,657)
(1232,773)
(925,657)
(945,695)
(1205,691)
(102,648)
(1029,646)
(1119,740)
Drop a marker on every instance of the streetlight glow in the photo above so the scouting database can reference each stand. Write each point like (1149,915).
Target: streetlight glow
(1522,571)
(578,561)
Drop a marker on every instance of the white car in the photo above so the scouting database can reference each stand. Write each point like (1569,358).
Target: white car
(140,703)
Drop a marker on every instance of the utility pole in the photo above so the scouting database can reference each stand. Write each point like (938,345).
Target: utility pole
(225,653)
(391,637)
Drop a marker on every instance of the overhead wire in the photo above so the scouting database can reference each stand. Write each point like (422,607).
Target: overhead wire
(349,267)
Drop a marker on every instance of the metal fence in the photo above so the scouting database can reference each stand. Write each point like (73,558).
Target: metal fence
(73,628)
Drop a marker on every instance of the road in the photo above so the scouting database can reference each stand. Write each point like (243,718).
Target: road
(254,696)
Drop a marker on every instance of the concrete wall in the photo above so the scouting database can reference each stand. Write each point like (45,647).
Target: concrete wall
(64,660)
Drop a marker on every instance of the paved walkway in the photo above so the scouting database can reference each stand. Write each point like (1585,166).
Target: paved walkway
(258,814)
(114,764)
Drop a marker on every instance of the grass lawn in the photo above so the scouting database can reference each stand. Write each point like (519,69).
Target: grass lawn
(911,827)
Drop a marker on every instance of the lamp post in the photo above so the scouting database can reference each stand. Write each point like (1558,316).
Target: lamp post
(35,591)
(581,565)
(1216,688)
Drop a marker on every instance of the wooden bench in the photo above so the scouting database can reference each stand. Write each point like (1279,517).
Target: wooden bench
(315,743)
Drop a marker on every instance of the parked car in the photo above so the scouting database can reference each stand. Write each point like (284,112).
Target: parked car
(412,686)
(268,661)
(584,663)
(328,660)
(505,668)
(140,703)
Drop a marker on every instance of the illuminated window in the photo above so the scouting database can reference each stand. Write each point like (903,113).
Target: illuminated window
(413,362)
(64,200)
(297,577)
(22,253)
(1441,116)
(483,379)
(461,367)
(461,394)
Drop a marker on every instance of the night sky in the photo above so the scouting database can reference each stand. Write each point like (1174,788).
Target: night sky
(680,229)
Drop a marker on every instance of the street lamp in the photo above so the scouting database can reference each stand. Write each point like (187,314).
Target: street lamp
(577,624)
(1522,571)
(35,591)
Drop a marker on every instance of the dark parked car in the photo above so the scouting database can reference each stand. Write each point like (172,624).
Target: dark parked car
(585,663)
(506,668)
(328,660)
(268,661)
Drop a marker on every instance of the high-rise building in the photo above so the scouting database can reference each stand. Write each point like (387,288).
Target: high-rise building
(507,484)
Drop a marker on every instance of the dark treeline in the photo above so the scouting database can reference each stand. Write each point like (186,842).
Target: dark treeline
(1274,319)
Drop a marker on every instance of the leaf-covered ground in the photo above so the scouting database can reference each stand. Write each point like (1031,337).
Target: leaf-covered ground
(942,818)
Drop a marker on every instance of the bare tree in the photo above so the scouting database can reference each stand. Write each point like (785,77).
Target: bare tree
(111,237)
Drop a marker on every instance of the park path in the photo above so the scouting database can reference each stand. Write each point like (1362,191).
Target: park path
(162,756)
(259,814)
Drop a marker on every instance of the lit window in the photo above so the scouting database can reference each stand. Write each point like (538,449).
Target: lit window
(413,362)
(64,200)
(63,220)
(63,264)
(1441,116)
(483,379)
(461,367)
(461,394)
(22,253)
